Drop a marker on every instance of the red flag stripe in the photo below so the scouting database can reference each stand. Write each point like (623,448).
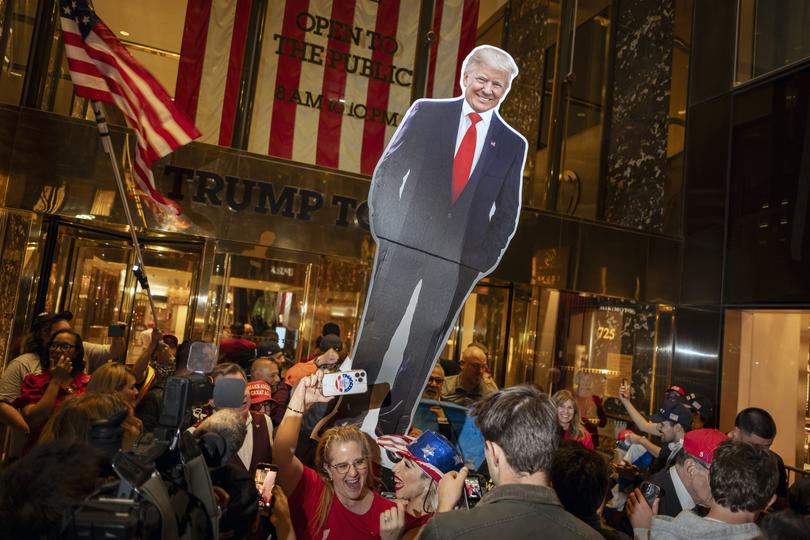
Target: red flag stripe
(159,138)
(377,98)
(334,87)
(102,69)
(282,129)
(434,46)
(466,41)
(156,97)
(192,54)
(156,137)
(235,63)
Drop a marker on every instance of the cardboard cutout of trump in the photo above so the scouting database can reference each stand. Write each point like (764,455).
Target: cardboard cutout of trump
(444,204)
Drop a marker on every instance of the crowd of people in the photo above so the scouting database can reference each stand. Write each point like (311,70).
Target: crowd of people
(675,476)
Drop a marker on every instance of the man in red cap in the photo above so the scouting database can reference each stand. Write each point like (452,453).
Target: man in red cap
(261,395)
(686,483)
(742,478)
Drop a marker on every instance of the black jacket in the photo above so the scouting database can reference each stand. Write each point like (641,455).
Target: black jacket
(410,197)
(669,505)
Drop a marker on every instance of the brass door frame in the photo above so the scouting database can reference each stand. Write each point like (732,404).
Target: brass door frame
(116,235)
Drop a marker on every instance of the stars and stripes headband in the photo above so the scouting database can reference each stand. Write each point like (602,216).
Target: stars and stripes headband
(431,451)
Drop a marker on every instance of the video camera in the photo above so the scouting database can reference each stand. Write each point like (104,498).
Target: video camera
(163,488)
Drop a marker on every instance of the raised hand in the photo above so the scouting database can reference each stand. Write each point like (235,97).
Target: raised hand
(61,370)
(309,391)
(450,488)
(392,521)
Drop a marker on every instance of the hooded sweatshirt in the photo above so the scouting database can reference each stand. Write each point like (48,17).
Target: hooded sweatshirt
(687,525)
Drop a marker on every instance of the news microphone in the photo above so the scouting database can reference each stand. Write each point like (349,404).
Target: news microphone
(229,393)
(214,448)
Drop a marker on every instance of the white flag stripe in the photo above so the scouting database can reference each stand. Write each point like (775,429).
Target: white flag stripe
(399,98)
(154,140)
(90,81)
(215,69)
(305,132)
(351,129)
(266,80)
(447,54)
(164,116)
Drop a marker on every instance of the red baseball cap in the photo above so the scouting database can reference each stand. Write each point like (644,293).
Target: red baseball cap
(701,443)
(260,392)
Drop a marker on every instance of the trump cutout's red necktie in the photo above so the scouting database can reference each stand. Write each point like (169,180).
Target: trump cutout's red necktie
(462,163)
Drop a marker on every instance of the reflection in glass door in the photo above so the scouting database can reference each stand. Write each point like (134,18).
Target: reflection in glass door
(270,294)
(173,275)
(91,276)
(483,320)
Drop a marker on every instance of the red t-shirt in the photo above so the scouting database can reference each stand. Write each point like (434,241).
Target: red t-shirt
(34,387)
(342,523)
(586,439)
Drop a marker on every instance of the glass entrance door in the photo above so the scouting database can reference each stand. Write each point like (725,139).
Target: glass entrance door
(293,294)
(268,294)
(91,276)
(483,321)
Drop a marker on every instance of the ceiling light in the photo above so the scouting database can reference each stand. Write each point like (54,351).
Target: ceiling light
(85,216)
(124,33)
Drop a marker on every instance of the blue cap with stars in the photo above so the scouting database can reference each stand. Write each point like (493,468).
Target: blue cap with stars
(431,451)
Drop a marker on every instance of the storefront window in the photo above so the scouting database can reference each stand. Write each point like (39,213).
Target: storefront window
(765,364)
(583,115)
(339,297)
(589,345)
(771,34)
(676,126)
(268,294)
(482,321)
(16,28)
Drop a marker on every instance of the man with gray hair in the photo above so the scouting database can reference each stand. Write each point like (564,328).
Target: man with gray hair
(520,430)
(443,205)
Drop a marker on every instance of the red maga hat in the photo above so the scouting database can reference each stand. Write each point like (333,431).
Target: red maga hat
(701,443)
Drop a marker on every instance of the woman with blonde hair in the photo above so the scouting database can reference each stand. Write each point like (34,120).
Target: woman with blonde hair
(418,466)
(570,419)
(75,419)
(114,378)
(337,497)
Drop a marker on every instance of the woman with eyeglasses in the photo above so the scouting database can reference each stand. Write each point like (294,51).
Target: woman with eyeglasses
(62,376)
(337,497)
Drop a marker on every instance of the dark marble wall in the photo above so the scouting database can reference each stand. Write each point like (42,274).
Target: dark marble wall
(525,40)
(637,154)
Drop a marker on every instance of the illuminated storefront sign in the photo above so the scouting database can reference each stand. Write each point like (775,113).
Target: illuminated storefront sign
(262,197)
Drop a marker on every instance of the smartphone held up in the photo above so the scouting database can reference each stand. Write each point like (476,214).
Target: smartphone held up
(345,382)
(265,480)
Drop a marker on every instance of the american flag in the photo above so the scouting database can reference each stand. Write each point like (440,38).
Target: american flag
(103,70)
(290,115)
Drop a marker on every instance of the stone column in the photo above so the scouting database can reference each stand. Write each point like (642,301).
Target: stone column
(638,119)
(525,41)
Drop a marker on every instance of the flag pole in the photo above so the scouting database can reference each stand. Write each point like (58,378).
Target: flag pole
(138,268)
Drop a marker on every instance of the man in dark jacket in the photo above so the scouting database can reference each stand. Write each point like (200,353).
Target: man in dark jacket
(519,425)
(685,485)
